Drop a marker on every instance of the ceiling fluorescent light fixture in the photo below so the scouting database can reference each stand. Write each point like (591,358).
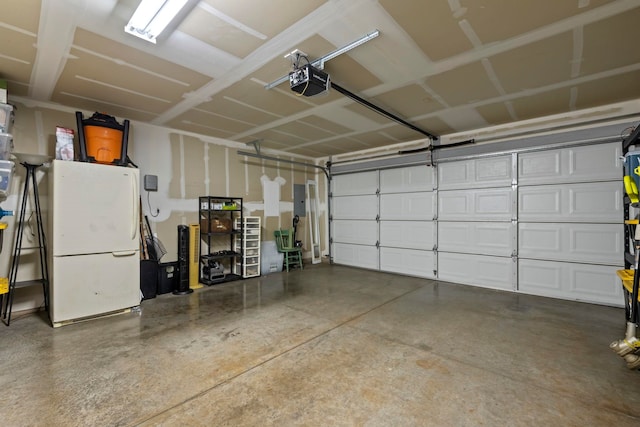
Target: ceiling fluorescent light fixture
(152,17)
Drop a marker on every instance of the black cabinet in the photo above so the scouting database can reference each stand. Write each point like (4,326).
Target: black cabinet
(221,241)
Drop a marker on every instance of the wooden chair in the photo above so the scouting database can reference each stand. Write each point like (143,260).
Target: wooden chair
(286,246)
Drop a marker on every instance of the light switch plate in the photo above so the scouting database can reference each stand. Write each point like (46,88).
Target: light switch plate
(151,182)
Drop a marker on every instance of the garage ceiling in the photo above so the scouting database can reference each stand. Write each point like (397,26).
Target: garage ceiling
(444,65)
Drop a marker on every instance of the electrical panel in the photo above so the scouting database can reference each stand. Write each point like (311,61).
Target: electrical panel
(299,194)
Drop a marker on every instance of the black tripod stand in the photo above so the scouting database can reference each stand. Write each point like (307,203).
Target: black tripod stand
(17,250)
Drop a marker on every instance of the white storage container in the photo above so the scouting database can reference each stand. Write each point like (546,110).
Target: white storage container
(6,173)
(6,146)
(6,118)
(271,260)
(3,91)
(249,242)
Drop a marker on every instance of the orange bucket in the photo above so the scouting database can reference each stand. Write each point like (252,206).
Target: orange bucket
(103,144)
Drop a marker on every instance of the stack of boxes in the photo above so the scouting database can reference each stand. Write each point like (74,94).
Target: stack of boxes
(6,165)
(6,141)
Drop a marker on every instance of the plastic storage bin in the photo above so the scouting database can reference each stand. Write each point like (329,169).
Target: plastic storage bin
(271,260)
(6,118)
(6,173)
(6,146)
(3,91)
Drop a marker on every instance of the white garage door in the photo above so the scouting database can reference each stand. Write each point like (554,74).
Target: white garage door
(354,225)
(546,222)
(570,237)
(407,226)
(476,232)
(384,220)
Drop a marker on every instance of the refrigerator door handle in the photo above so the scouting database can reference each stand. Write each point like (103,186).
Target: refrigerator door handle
(136,206)
(123,253)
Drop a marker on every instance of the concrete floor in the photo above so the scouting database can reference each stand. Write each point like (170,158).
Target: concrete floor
(328,345)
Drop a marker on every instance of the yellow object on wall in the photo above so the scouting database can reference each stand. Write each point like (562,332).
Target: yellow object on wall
(631,188)
(627,279)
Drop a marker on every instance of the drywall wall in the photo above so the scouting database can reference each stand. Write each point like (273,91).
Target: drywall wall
(187,166)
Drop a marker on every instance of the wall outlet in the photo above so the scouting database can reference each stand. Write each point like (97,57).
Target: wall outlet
(151,182)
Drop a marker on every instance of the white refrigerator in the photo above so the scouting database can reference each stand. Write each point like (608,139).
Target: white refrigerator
(94,240)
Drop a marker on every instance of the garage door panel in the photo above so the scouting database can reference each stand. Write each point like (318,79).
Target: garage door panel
(454,205)
(539,167)
(403,180)
(596,201)
(407,234)
(356,232)
(493,171)
(538,203)
(355,183)
(355,207)
(595,162)
(600,162)
(478,270)
(589,243)
(484,238)
(406,261)
(580,282)
(593,202)
(475,173)
(454,175)
(409,206)
(355,255)
(492,204)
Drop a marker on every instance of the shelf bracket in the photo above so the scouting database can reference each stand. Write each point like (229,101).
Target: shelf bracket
(256,145)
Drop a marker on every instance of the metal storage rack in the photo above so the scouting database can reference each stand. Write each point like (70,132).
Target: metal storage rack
(629,347)
(220,251)
(630,242)
(249,241)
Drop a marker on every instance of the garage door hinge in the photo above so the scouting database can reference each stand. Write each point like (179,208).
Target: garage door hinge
(377,243)
(435,248)
(514,254)
(330,218)
(377,218)
(377,191)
